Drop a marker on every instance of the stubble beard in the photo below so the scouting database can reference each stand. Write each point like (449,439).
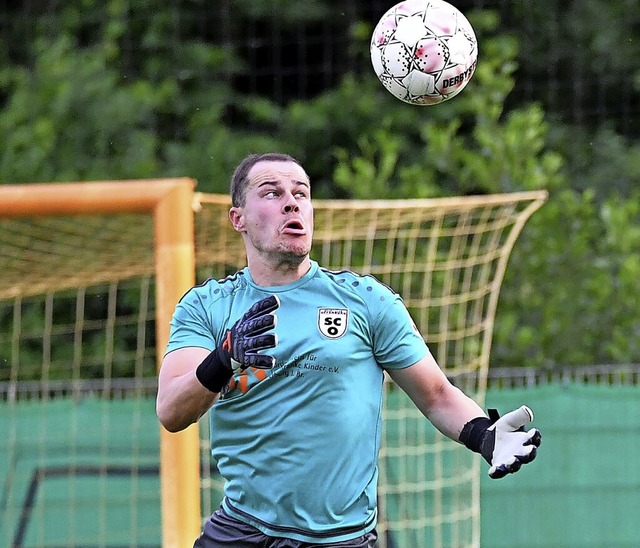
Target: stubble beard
(289,254)
(292,255)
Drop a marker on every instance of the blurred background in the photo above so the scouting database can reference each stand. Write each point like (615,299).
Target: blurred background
(95,90)
(134,89)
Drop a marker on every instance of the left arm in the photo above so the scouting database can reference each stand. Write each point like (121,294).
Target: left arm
(445,405)
(503,442)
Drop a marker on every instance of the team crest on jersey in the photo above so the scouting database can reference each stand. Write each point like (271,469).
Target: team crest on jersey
(332,322)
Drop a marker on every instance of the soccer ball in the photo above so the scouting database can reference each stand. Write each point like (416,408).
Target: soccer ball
(424,51)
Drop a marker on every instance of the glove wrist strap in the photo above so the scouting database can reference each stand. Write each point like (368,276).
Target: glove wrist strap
(215,371)
(473,433)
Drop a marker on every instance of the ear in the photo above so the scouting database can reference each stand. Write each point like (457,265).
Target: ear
(237,219)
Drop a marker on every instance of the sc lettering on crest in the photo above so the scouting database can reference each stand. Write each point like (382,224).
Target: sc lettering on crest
(332,322)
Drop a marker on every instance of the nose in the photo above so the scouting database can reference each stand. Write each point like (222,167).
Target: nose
(291,206)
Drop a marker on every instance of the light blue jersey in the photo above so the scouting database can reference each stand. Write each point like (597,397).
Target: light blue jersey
(298,445)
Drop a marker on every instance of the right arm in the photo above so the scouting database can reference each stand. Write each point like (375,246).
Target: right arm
(182,399)
(191,378)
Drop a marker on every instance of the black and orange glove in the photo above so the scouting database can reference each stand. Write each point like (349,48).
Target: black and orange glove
(241,346)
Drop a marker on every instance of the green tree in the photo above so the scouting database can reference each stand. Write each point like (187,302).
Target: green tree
(120,90)
(570,291)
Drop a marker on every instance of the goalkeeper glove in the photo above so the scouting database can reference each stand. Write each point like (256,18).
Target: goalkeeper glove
(241,345)
(503,442)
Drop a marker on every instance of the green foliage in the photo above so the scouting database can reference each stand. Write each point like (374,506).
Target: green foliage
(45,137)
(119,90)
(88,108)
(596,38)
(570,292)
(602,161)
(383,148)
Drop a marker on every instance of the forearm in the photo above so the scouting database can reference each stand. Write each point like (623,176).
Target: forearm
(446,406)
(505,444)
(182,400)
(450,409)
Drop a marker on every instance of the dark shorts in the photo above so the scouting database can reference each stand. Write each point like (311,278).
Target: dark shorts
(223,531)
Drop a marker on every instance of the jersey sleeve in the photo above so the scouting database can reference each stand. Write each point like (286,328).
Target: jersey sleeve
(396,339)
(190,324)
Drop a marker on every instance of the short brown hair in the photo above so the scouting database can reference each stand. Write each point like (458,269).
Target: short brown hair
(239,178)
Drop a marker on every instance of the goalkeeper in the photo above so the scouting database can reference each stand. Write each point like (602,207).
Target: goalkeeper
(290,359)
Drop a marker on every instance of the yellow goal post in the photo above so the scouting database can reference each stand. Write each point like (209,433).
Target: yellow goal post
(170,203)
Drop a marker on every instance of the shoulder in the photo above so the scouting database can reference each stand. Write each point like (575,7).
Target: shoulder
(213,290)
(366,289)
(364,284)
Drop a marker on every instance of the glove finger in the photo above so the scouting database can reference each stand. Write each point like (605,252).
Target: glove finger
(497,472)
(253,345)
(256,326)
(262,307)
(535,437)
(518,450)
(529,456)
(513,464)
(260,361)
(500,471)
(514,420)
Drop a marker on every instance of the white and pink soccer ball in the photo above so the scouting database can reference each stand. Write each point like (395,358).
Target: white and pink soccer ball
(424,51)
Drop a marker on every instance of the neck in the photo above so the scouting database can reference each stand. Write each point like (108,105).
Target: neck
(281,271)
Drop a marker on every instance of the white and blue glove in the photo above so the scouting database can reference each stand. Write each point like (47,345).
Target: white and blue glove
(503,441)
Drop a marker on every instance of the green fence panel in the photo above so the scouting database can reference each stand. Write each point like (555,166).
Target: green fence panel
(85,473)
(584,488)
(79,473)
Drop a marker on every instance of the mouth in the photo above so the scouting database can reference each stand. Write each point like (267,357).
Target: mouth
(293,226)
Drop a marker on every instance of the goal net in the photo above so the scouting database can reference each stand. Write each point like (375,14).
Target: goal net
(91,273)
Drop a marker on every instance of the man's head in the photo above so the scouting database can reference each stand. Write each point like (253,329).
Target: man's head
(240,176)
(272,210)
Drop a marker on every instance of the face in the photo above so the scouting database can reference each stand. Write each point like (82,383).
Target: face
(277,218)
